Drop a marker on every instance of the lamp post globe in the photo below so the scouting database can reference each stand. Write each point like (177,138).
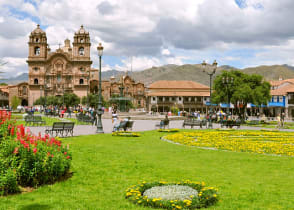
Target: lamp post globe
(99,107)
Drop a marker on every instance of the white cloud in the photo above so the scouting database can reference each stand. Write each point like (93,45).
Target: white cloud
(165,52)
(154,32)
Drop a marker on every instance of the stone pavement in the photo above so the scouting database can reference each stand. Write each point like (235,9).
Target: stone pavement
(139,125)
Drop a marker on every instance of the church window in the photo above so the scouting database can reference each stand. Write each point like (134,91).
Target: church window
(24,90)
(82,40)
(37,50)
(36,81)
(81,51)
(58,78)
(36,68)
(82,69)
(81,81)
(37,40)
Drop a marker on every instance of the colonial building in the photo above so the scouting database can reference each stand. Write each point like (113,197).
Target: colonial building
(64,71)
(131,89)
(4,95)
(20,90)
(282,92)
(68,70)
(185,95)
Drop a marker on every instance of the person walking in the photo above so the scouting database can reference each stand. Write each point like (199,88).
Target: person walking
(278,121)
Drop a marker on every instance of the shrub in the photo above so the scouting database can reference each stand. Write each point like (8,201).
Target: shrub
(29,160)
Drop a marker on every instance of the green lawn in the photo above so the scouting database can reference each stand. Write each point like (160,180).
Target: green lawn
(273,124)
(49,121)
(105,166)
(77,122)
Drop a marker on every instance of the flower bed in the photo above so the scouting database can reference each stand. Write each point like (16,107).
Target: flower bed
(126,134)
(178,195)
(169,130)
(27,160)
(261,142)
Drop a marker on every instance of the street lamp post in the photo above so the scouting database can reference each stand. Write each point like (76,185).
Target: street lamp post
(227,81)
(99,111)
(210,70)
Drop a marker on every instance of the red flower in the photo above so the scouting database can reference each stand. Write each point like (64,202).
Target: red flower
(35,150)
(67,157)
(12,131)
(65,153)
(48,153)
(15,150)
(52,155)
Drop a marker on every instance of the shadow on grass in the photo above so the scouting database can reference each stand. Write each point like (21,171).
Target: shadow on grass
(36,206)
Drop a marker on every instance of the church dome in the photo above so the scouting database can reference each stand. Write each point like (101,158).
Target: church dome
(82,30)
(38,30)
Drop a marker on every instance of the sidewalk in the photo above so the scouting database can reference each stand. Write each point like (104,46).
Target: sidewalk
(139,125)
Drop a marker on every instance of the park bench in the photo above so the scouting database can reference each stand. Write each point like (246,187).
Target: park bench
(231,123)
(164,123)
(34,120)
(61,129)
(85,118)
(194,122)
(125,125)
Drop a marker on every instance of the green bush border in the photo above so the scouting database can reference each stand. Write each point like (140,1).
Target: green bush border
(207,196)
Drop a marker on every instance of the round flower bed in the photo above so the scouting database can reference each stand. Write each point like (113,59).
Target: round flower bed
(126,133)
(179,195)
(169,130)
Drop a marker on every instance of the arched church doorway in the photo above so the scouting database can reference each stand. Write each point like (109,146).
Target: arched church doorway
(24,102)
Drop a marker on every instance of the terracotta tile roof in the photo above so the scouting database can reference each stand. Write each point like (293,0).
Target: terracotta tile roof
(277,82)
(4,89)
(280,82)
(283,90)
(177,84)
(178,93)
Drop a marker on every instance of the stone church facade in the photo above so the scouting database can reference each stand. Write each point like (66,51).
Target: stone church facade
(64,71)
(67,70)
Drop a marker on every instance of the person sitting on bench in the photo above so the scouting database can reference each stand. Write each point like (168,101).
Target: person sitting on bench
(122,124)
(164,122)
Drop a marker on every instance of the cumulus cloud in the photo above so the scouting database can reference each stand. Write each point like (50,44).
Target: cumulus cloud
(148,30)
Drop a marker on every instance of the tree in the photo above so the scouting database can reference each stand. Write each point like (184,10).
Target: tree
(15,101)
(70,99)
(244,90)
(3,84)
(92,99)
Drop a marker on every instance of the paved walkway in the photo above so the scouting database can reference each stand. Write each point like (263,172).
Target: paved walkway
(139,125)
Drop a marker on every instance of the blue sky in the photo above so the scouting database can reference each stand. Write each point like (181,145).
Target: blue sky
(143,33)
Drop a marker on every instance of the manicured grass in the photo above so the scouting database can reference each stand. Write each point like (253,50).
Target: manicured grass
(77,122)
(105,166)
(49,121)
(273,124)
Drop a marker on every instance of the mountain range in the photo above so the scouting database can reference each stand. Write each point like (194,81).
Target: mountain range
(191,72)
